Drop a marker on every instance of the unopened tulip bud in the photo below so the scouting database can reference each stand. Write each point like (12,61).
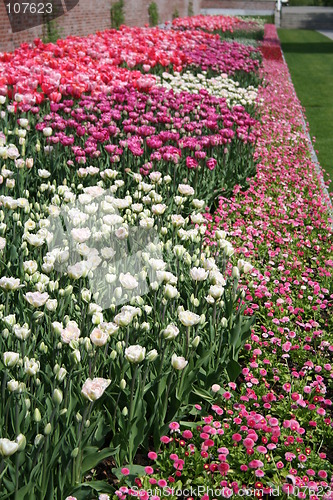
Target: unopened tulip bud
(178,362)
(68,290)
(38,439)
(224,322)
(119,346)
(76,355)
(122,384)
(196,341)
(47,429)
(43,348)
(113,355)
(86,295)
(125,411)
(75,453)
(12,385)
(78,417)
(97,318)
(235,273)
(29,162)
(152,355)
(38,316)
(87,344)
(5,333)
(21,441)
(57,397)
(195,301)
(61,374)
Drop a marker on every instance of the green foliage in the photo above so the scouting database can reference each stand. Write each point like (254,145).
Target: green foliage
(175,14)
(190,11)
(153,14)
(117,14)
(51,32)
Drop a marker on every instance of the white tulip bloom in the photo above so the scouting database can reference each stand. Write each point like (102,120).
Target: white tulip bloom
(170,292)
(21,332)
(7,447)
(36,299)
(70,332)
(128,281)
(135,353)
(10,284)
(10,358)
(186,190)
(94,388)
(178,362)
(31,366)
(170,332)
(188,318)
(198,274)
(216,291)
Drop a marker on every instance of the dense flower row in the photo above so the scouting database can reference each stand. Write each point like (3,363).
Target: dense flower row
(208,23)
(183,134)
(224,25)
(219,86)
(273,430)
(95,63)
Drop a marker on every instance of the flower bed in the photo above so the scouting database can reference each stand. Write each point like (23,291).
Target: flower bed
(98,62)
(230,26)
(271,434)
(125,305)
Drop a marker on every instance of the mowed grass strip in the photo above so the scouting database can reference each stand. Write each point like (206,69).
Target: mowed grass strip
(309,56)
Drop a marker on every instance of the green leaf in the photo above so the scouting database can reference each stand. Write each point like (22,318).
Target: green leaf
(135,471)
(203,394)
(233,369)
(83,491)
(94,457)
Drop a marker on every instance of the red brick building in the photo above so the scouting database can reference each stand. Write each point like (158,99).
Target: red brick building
(89,16)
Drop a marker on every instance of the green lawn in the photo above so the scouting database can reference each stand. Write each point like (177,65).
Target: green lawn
(309,56)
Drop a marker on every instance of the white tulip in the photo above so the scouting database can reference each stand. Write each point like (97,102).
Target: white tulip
(178,362)
(10,284)
(10,358)
(135,353)
(188,318)
(7,447)
(36,299)
(198,274)
(170,332)
(128,281)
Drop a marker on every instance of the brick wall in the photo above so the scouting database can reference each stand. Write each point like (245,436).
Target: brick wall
(90,16)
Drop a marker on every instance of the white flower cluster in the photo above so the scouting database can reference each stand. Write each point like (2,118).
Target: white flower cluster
(219,86)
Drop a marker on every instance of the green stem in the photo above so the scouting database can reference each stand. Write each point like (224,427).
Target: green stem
(132,395)
(79,458)
(17,455)
(187,341)
(2,466)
